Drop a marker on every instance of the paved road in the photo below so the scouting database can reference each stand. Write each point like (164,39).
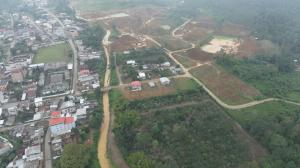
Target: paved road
(47,150)
(102,144)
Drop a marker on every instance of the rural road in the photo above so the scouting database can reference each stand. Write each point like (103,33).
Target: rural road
(102,143)
(218,100)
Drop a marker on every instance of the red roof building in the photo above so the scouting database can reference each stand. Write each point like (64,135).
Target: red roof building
(56,121)
(55,114)
(136,86)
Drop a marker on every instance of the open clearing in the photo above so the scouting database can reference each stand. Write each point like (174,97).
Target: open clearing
(172,43)
(53,54)
(185,61)
(219,43)
(227,87)
(197,55)
(127,42)
(177,84)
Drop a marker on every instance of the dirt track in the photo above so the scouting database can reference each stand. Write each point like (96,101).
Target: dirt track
(102,144)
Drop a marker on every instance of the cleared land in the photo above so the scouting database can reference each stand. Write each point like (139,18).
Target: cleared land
(185,61)
(219,43)
(53,54)
(177,84)
(226,86)
(196,54)
(127,42)
(172,43)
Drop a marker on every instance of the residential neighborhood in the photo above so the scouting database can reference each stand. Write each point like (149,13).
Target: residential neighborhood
(45,69)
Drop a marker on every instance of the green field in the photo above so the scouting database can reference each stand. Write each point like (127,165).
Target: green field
(276,126)
(53,54)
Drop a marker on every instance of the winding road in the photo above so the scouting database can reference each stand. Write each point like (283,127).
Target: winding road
(188,74)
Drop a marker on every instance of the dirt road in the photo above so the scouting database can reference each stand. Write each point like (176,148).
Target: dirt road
(217,99)
(102,144)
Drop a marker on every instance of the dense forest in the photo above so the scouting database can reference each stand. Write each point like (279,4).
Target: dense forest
(92,37)
(274,76)
(276,125)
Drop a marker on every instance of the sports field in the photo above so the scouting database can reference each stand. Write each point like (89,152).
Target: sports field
(53,54)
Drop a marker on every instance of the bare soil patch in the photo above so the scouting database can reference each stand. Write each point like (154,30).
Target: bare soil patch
(249,47)
(217,44)
(198,55)
(224,85)
(127,42)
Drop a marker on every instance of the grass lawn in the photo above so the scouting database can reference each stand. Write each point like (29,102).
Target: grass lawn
(114,78)
(264,110)
(53,54)
(177,85)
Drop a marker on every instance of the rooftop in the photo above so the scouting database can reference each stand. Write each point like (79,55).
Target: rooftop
(61,120)
(136,83)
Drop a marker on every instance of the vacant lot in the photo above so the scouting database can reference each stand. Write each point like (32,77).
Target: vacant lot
(53,54)
(219,43)
(198,55)
(127,42)
(179,84)
(172,43)
(184,60)
(227,87)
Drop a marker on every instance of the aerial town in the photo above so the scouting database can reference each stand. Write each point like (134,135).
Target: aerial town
(149,84)
(40,96)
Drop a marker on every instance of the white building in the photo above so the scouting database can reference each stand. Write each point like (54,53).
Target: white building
(81,113)
(38,102)
(141,75)
(164,81)
(131,62)
(68,107)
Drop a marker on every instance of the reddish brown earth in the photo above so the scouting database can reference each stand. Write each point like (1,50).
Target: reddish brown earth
(249,47)
(226,86)
(199,55)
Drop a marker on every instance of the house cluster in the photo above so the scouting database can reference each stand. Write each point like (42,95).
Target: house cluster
(88,77)
(149,71)
(36,98)
(31,154)
(54,78)
(63,117)
(137,85)
(56,117)
(86,53)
